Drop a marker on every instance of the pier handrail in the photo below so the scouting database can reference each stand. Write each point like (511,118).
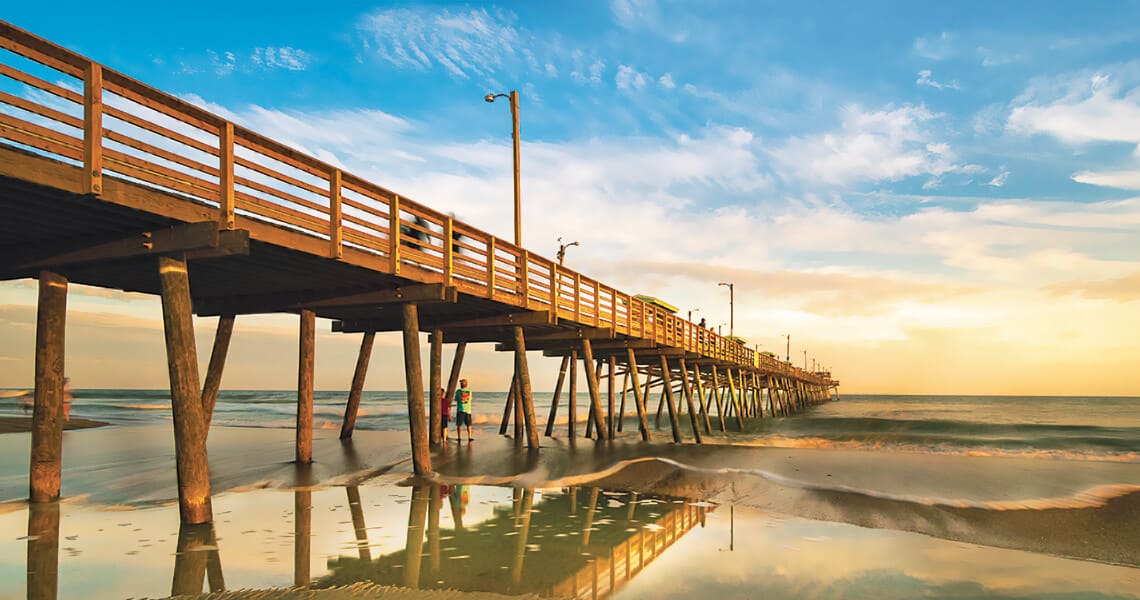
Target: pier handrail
(107,123)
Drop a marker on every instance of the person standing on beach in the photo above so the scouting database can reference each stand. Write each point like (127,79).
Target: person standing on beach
(463,411)
(67,399)
(445,414)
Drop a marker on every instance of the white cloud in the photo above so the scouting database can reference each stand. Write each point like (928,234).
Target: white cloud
(630,79)
(1126,180)
(888,144)
(925,79)
(666,81)
(1087,107)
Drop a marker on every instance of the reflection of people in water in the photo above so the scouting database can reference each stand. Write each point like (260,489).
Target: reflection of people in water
(460,496)
(67,399)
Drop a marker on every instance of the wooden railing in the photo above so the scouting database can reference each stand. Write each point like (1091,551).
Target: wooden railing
(107,123)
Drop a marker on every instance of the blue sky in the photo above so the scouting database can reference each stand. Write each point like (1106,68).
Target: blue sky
(890,181)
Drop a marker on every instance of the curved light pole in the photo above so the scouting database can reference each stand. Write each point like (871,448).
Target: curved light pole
(731,308)
(514,99)
(562,250)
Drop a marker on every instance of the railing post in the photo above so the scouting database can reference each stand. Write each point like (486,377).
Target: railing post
(93,129)
(554,277)
(226,176)
(491,267)
(525,269)
(597,303)
(578,297)
(336,234)
(448,250)
(394,234)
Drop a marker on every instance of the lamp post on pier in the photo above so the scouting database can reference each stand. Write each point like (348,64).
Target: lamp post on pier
(514,100)
(788,349)
(691,313)
(562,250)
(805,359)
(731,308)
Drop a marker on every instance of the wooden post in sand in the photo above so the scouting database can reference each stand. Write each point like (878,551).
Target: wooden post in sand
(612,393)
(306,358)
(524,395)
(701,397)
(572,401)
(638,398)
(217,363)
(357,385)
(435,376)
(413,377)
(669,397)
(557,395)
(592,383)
(185,394)
(47,415)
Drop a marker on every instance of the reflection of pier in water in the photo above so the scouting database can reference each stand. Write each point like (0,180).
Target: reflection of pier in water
(580,543)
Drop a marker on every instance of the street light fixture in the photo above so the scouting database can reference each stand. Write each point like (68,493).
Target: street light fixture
(691,313)
(788,356)
(805,359)
(514,100)
(731,308)
(562,250)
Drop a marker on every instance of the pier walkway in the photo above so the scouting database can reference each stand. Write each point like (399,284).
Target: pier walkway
(108,182)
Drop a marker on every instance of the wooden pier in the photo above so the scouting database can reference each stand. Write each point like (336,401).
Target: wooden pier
(108,182)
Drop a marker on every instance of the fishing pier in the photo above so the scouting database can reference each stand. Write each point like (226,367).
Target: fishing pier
(108,182)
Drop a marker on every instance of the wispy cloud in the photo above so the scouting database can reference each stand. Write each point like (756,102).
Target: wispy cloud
(466,44)
(935,47)
(999,179)
(925,78)
(1125,180)
(228,62)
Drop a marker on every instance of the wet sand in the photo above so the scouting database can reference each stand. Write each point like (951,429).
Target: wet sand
(119,489)
(24,424)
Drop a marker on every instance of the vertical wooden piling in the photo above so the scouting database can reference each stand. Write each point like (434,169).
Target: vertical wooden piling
(592,383)
(621,408)
(686,386)
(185,394)
(735,401)
(525,396)
(357,389)
(47,414)
(572,401)
(638,399)
(611,396)
(306,359)
(435,377)
(518,408)
(217,363)
(557,395)
(669,397)
(413,375)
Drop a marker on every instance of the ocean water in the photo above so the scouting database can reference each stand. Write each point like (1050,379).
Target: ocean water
(1089,428)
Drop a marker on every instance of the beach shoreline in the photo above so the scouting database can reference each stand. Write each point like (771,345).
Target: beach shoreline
(24,424)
